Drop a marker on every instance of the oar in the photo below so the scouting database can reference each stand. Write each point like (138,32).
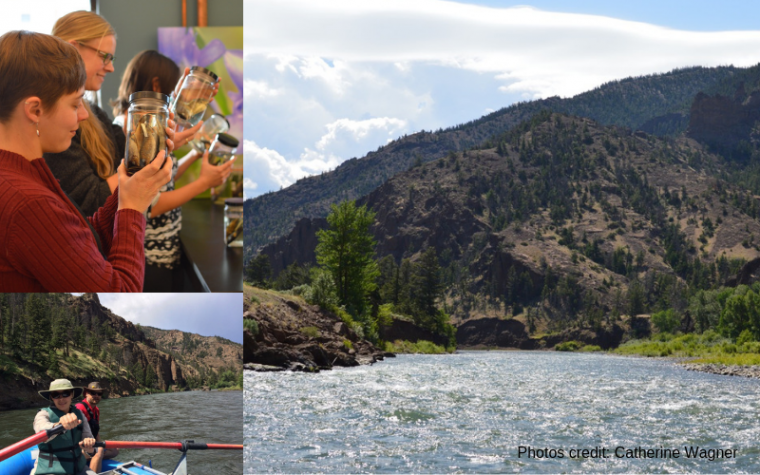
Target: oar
(37,438)
(182,446)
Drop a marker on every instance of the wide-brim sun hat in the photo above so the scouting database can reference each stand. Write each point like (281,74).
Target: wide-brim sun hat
(95,386)
(61,385)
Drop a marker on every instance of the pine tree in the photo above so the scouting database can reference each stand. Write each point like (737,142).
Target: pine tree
(404,303)
(4,320)
(150,376)
(347,250)
(427,288)
(37,315)
(387,281)
(258,271)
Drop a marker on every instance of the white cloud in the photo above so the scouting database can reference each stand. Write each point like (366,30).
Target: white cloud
(331,80)
(267,166)
(258,89)
(355,131)
(544,52)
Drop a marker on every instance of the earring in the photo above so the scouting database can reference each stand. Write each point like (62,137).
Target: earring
(37,125)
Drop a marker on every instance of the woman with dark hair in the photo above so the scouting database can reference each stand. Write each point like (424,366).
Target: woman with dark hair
(152,71)
(47,243)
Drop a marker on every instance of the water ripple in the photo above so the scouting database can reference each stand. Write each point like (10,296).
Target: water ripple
(469,413)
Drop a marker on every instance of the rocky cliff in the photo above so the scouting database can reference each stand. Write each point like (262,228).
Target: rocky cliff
(94,344)
(726,124)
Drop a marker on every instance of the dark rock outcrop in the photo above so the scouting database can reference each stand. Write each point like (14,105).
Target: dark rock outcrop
(403,330)
(301,337)
(724,122)
(606,337)
(495,332)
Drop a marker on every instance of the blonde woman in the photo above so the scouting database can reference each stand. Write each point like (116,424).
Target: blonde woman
(87,170)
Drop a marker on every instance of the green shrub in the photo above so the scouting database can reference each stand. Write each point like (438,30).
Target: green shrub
(385,315)
(322,291)
(666,321)
(348,344)
(710,336)
(745,337)
(312,332)
(420,347)
(568,346)
(251,325)
(591,348)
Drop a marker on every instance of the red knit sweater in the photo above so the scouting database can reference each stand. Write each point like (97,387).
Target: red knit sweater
(46,245)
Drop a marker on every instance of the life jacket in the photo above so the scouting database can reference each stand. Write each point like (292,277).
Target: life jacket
(62,455)
(93,416)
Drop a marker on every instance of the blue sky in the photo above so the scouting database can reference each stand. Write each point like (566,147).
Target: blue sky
(331,80)
(693,15)
(204,314)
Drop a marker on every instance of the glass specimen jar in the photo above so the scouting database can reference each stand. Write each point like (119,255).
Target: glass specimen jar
(233,222)
(147,118)
(194,96)
(222,149)
(216,124)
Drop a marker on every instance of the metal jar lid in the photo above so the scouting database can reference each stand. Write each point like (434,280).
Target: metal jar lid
(205,71)
(228,140)
(234,201)
(149,95)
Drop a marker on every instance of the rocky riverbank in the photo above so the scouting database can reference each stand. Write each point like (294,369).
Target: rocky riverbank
(290,334)
(725,370)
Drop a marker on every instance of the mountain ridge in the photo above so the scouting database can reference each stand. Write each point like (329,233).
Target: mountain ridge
(661,103)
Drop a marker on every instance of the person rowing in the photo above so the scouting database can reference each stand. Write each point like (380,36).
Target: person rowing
(63,453)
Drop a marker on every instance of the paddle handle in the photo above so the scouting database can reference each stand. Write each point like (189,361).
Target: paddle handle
(37,438)
(182,446)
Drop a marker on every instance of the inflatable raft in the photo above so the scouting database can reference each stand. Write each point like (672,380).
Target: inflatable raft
(23,463)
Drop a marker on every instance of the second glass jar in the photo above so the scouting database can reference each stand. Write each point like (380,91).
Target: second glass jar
(194,96)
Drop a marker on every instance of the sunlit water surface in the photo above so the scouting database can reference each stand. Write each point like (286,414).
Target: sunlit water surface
(469,412)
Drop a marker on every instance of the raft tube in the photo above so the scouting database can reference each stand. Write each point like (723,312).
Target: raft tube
(23,462)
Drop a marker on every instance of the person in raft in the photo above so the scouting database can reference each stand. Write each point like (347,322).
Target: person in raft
(63,453)
(93,393)
(47,243)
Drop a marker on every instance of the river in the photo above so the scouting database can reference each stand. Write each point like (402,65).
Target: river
(205,416)
(471,411)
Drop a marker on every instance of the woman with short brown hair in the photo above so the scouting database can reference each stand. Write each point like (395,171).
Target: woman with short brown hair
(46,243)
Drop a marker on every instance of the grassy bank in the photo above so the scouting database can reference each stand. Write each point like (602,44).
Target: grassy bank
(420,347)
(708,347)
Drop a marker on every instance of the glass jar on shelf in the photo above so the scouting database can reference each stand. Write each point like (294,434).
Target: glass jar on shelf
(233,222)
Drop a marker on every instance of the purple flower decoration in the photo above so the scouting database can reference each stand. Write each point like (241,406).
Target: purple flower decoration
(233,63)
(179,44)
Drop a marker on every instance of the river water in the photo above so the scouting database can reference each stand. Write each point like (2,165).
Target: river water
(205,416)
(471,411)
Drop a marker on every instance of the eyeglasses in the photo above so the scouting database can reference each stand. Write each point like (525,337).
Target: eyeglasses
(95,394)
(106,57)
(59,395)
